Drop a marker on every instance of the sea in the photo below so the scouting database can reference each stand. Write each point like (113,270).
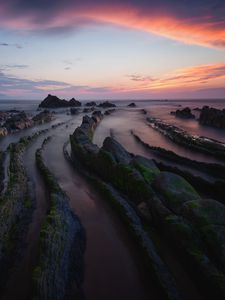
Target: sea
(127,119)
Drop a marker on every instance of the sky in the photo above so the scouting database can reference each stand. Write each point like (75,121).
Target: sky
(132,49)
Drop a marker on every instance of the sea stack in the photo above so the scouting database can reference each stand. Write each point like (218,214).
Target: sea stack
(52,101)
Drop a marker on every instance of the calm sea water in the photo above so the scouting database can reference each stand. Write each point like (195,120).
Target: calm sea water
(130,118)
(32,105)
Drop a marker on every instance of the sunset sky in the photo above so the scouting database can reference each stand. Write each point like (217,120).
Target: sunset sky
(139,49)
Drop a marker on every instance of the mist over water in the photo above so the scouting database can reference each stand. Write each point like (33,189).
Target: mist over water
(107,240)
(127,119)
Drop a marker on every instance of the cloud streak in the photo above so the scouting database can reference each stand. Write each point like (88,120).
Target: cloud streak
(201,78)
(20,87)
(189,77)
(11,67)
(198,22)
(18,46)
(140,78)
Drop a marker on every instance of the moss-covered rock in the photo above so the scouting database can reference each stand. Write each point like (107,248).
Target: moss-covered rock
(15,206)
(146,167)
(175,189)
(61,248)
(117,150)
(204,212)
(214,238)
(174,206)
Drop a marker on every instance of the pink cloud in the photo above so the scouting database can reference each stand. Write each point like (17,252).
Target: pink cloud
(189,22)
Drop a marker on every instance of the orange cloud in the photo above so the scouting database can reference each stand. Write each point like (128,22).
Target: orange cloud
(197,76)
(201,29)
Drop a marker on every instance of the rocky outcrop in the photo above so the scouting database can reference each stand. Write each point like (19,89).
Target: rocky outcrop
(92,103)
(88,110)
(3,131)
(183,113)
(181,137)
(3,116)
(43,117)
(132,105)
(106,104)
(115,165)
(62,243)
(109,111)
(74,102)
(214,169)
(173,206)
(15,207)
(211,189)
(18,122)
(119,154)
(161,276)
(74,111)
(54,102)
(175,189)
(212,117)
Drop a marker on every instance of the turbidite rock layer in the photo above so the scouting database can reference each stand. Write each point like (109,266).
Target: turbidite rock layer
(193,225)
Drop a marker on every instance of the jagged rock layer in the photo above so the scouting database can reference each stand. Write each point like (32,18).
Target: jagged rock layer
(15,206)
(176,209)
(62,242)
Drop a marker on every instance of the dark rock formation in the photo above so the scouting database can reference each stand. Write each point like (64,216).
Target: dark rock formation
(3,131)
(43,117)
(106,104)
(16,207)
(214,169)
(175,189)
(88,110)
(109,111)
(146,167)
(162,277)
(116,166)
(74,102)
(17,122)
(3,116)
(212,117)
(181,137)
(132,105)
(62,242)
(92,103)
(54,102)
(177,211)
(74,111)
(82,135)
(183,113)
(211,189)
(118,152)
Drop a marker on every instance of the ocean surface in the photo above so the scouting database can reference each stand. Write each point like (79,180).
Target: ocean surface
(128,119)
